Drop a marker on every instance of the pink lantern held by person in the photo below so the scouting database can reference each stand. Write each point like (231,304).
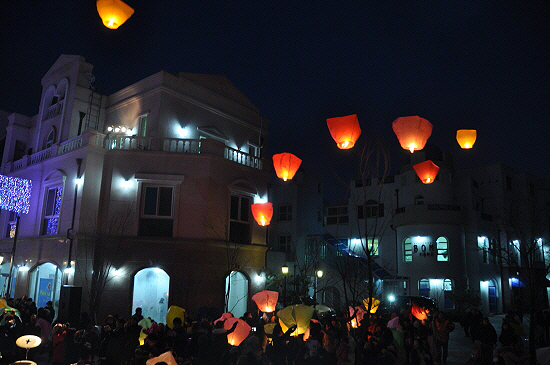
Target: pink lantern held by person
(240,333)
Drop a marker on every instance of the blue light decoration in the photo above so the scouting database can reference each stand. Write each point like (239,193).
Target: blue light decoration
(15,194)
(53,222)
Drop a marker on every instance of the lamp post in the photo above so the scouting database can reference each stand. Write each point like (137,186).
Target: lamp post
(284,270)
(318,275)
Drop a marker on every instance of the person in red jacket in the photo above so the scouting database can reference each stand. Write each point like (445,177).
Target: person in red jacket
(444,328)
(59,332)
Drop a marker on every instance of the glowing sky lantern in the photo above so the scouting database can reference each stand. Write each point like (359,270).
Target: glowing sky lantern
(266,300)
(239,334)
(344,130)
(298,314)
(374,305)
(113,12)
(420,313)
(426,171)
(262,212)
(174,312)
(412,132)
(356,314)
(286,164)
(466,138)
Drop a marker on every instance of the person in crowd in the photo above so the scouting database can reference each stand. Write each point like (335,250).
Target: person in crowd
(444,328)
(10,329)
(487,336)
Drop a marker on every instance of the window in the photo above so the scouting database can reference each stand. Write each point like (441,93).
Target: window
(408,250)
(50,139)
(285,242)
(419,200)
(151,289)
(285,213)
(483,246)
(370,210)
(424,288)
(337,215)
(442,249)
(157,217)
(52,207)
(142,132)
(239,230)
(373,246)
(11,226)
(447,293)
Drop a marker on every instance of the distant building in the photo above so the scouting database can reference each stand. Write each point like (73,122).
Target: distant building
(150,186)
(456,233)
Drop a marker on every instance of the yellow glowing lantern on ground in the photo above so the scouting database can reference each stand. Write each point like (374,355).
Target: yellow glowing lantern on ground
(466,138)
(266,300)
(426,171)
(174,312)
(374,305)
(412,132)
(344,130)
(262,212)
(114,12)
(286,164)
(240,333)
(299,315)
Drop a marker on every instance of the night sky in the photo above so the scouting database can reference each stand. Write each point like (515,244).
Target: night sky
(460,64)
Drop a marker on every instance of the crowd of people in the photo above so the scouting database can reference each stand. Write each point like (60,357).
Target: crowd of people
(403,339)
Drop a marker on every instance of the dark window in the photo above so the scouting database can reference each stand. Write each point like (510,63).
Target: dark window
(157,214)
(285,213)
(370,210)
(285,243)
(239,229)
(419,200)
(508,183)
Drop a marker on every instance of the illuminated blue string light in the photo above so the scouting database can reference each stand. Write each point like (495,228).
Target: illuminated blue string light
(15,194)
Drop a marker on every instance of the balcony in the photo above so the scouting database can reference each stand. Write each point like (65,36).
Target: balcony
(428,214)
(135,143)
(53,110)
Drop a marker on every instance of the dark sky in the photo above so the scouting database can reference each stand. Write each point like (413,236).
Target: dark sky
(459,64)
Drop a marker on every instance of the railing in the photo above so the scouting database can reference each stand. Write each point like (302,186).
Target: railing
(54,110)
(123,142)
(243,158)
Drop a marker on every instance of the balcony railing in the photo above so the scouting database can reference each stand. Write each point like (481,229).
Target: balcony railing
(53,110)
(123,142)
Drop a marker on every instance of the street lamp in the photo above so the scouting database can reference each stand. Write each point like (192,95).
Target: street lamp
(284,270)
(318,275)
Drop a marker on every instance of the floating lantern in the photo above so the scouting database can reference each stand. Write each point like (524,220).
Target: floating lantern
(356,314)
(262,212)
(286,165)
(299,315)
(374,305)
(266,300)
(466,138)
(174,312)
(114,12)
(344,130)
(412,132)
(420,313)
(240,333)
(426,171)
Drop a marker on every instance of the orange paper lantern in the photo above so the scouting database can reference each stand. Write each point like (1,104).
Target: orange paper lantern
(286,165)
(262,212)
(412,132)
(420,313)
(426,171)
(266,300)
(240,333)
(113,12)
(344,130)
(466,138)
(356,314)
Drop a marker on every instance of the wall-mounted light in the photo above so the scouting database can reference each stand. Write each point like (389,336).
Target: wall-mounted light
(1,259)
(78,181)
(127,184)
(118,272)
(23,268)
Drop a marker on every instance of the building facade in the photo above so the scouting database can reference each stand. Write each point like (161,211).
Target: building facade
(142,197)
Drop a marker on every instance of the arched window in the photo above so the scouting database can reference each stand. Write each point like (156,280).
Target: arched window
(151,289)
(236,293)
(419,200)
(50,139)
(45,285)
(447,291)
(442,249)
(407,250)
(424,288)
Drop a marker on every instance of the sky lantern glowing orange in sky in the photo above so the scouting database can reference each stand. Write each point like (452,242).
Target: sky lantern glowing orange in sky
(266,300)
(286,165)
(412,132)
(114,12)
(466,138)
(426,171)
(344,130)
(262,212)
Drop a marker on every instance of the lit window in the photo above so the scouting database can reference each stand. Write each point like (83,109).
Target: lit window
(424,288)
(239,230)
(447,293)
(12,223)
(285,213)
(373,246)
(442,249)
(52,208)
(157,211)
(408,250)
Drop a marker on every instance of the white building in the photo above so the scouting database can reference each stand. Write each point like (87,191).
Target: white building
(151,186)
